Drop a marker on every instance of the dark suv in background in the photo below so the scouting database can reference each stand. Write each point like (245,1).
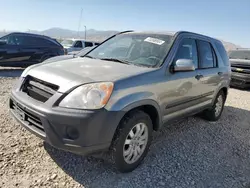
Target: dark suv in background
(240,63)
(24,49)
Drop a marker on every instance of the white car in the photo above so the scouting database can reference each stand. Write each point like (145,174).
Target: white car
(70,55)
(71,45)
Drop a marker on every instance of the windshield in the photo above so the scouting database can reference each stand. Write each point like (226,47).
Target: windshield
(67,42)
(138,49)
(240,54)
(84,51)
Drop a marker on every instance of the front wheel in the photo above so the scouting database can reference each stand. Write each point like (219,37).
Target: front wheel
(215,112)
(132,141)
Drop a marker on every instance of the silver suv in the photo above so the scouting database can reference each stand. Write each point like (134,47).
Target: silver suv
(114,97)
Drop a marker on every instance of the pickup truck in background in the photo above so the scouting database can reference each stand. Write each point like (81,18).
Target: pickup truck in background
(240,63)
(71,45)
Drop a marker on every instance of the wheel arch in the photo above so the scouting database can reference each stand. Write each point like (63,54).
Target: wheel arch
(148,106)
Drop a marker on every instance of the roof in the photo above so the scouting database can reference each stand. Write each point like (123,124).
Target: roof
(30,34)
(153,32)
(171,33)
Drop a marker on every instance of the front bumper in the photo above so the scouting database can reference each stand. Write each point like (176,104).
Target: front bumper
(240,80)
(79,131)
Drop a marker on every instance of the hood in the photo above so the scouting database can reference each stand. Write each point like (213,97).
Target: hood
(59,58)
(239,62)
(73,72)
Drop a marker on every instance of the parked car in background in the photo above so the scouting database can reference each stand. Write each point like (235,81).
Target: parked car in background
(240,63)
(70,55)
(81,52)
(24,49)
(114,97)
(76,44)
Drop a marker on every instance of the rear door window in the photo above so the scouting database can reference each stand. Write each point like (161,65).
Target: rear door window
(207,57)
(36,41)
(88,44)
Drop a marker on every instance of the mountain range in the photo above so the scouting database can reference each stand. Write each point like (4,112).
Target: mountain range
(92,34)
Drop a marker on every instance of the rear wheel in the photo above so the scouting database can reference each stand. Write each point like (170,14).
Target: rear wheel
(132,141)
(215,112)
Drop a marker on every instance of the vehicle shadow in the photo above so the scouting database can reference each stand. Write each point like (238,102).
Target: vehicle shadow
(190,153)
(239,88)
(11,72)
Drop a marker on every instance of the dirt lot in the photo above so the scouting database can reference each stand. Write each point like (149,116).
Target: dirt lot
(192,153)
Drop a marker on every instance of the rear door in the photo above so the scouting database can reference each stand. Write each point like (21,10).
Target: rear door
(36,49)
(208,75)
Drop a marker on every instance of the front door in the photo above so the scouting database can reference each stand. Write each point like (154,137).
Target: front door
(10,52)
(182,89)
(77,46)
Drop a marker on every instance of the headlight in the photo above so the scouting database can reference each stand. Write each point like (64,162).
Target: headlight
(89,96)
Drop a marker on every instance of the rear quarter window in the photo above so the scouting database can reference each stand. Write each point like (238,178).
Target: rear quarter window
(222,53)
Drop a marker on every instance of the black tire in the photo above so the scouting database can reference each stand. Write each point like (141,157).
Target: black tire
(210,114)
(125,126)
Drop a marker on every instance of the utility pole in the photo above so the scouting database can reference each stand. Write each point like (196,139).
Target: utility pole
(79,24)
(85,32)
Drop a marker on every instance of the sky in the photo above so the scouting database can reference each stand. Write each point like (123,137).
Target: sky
(228,20)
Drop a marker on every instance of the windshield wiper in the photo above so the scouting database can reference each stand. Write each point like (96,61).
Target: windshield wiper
(88,56)
(116,60)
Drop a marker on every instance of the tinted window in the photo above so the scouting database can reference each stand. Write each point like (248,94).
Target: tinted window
(188,50)
(78,44)
(5,38)
(12,39)
(88,44)
(223,53)
(27,40)
(35,41)
(207,56)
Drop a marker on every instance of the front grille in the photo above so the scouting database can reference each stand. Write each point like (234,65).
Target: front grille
(38,89)
(236,81)
(241,69)
(26,116)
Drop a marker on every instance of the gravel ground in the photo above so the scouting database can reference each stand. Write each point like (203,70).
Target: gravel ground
(191,153)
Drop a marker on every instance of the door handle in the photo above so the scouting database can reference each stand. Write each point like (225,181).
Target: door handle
(198,76)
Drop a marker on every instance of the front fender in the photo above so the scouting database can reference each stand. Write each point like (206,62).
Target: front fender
(135,100)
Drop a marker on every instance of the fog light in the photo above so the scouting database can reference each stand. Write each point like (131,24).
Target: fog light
(72,133)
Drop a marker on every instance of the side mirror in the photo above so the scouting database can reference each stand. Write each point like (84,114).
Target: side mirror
(3,42)
(183,65)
